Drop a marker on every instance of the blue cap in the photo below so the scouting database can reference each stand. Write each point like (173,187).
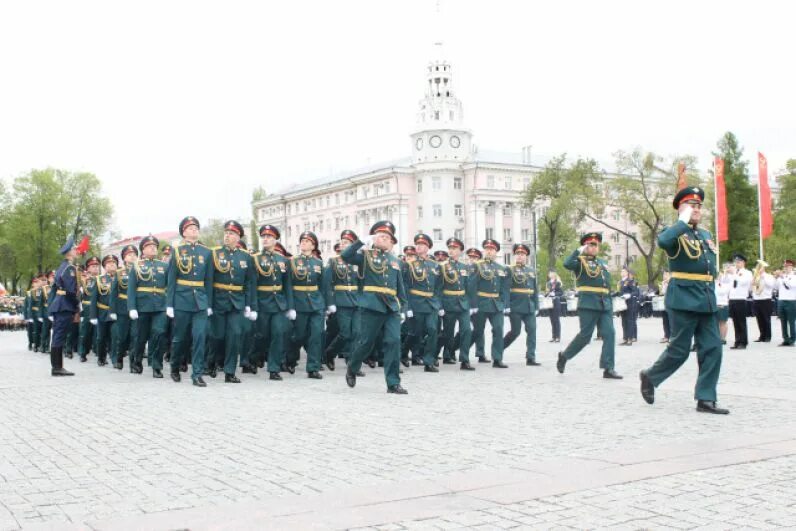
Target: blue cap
(70,242)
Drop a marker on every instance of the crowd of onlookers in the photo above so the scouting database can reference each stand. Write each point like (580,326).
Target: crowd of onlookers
(11,317)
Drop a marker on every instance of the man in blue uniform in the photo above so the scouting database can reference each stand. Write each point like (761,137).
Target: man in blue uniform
(63,307)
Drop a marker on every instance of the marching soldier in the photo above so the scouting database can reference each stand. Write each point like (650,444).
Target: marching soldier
(421,279)
(473,255)
(380,301)
(48,292)
(741,287)
(36,303)
(786,288)
(455,283)
(189,300)
(306,271)
(628,290)
(249,325)
(763,285)
(146,302)
(595,307)
(691,302)
(490,298)
(101,314)
(165,256)
(64,306)
(523,302)
(27,314)
(408,325)
(233,298)
(341,286)
(124,328)
(88,285)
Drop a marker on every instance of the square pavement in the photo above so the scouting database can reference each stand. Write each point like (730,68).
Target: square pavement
(523,447)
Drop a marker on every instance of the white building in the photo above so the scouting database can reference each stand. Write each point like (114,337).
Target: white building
(446,187)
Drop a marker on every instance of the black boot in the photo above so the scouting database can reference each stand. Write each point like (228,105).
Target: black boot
(57,363)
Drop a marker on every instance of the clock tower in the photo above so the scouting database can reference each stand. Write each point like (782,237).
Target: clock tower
(440,135)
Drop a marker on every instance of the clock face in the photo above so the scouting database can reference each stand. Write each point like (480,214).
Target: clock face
(455,142)
(419,144)
(435,141)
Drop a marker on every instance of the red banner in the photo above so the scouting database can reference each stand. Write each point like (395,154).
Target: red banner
(681,180)
(766,215)
(722,225)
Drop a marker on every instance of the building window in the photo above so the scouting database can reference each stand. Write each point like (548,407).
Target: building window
(436,115)
(419,186)
(618,260)
(615,237)
(387,187)
(419,212)
(616,215)
(288,231)
(328,200)
(437,211)
(457,183)
(458,234)
(507,183)
(525,213)
(436,183)
(489,233)
(507,258)
(526,234)
(451,116)
(507,209)
(320,225)
(526,182)
(437,234)
(457,210)
(507,234)
(490,181)
(336,223)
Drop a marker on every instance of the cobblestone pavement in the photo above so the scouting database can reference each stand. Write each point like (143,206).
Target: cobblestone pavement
(109,446)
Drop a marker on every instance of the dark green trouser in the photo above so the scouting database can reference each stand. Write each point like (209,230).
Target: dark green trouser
(372,325)
(424,342)
(29,328)
(226,332)
(149,332)
(272,329)
(123,337)
(517,320)
(787,318)
(45,335)
(72,335)
(197,323)
(604,322)
(704,329)
(36,332)
(307,333)
(343,342)
(449,321)
(105,339)
(496,322)
(247,343)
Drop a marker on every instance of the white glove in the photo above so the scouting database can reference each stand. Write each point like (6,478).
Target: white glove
(133,314)
(246,312)
(170,312)
(331,309)
(80,307)
(41,319)
(410,314)
(252,316)
(685,214)
(28,320)
(536,314)
(81,319)
(113,316)
(209,312)
(442,313)
(93,321)
(507,311)
(473,311)
(50,317)
(582,248)
(626,296)
(291,315)
(403,317)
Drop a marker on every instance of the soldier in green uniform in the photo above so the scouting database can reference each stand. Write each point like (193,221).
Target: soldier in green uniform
(490,298)
(380,302)
(48,292)
(424,291)
(472,256)
(274,301)
(88,287)
(595,308)
(165,256)
(455,277)
(407,326)
(28,316)
(146,302)
(101,314)
(786,304)
(523,302)
(247,334)
(36,303)
(123,328)
(341,286)
(306,271)
(233,298)
(691,303)
(189,300)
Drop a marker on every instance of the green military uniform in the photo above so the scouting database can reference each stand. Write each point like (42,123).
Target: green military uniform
(274,299)
(341,286)
(380,303)
(102,313)
(523,302)
(691,303)
(189,294)
(87,331)
(786,304)
(454,281)
(424,293)
(595,307)
(124,329)
(490,297)
(146,304)
(308,298)
(233,298)
(36,306)
(29,320)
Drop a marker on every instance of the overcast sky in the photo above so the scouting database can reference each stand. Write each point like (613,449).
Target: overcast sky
(182,107)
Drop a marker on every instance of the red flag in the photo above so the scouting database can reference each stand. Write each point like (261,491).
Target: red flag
(82,247)
(766,218)
(722,225)
(681,181)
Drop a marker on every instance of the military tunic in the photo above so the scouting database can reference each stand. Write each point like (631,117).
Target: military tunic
(274,299)
(124,329)
(523,302)
(424,291)
(48,294)
(87,331)
(146,294)
(310,303)
(489,295)
(455,276)
(341,286)
(100,309)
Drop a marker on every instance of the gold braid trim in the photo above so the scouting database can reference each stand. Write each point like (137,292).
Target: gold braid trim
(266,273)
(100,285)
(486,275)
(219,268)
(296,274)
(186,268)
(691,250)
(119,279)
(372,266)
(591,272)
(140,272)
(450,279)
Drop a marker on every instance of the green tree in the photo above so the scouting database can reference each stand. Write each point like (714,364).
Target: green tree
(742,209)
(212,233)
(782,243)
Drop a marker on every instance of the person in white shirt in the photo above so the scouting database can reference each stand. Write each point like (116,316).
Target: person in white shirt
(739,292)
(786,288)
(762,289)
(723,286)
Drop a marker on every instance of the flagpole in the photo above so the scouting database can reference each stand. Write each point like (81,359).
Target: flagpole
(759,210)
(716,214)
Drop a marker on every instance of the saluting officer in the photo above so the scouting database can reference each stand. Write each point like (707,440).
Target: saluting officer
(421,279)
(490,298)
(306,271)
(189,299)
(146,302)
(380,302)
(595,307)
(88,284)
(691,303)
(523,302)
(102,316)
(341,285)
(455,277)
(233,298)
(64,306)
(124,329)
